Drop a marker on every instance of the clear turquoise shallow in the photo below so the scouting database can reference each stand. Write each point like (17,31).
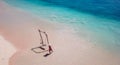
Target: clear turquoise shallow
(97,30)
(102,8)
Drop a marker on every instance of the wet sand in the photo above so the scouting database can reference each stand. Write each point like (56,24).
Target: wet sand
(20,28)
(6,51)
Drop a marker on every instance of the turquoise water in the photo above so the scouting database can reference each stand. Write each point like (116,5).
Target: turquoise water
(97,30)
(105,8)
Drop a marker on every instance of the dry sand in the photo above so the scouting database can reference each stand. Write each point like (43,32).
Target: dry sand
(20,28)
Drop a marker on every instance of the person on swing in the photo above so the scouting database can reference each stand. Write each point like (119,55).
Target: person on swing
(42,46)
(42,43)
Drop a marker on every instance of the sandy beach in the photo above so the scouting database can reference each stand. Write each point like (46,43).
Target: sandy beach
(21,30)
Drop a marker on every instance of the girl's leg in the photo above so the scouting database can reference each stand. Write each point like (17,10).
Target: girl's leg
(50,52)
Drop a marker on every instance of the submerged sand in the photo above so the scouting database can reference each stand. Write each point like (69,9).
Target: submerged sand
(20,28)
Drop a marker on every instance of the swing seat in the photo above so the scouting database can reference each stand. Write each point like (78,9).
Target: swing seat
(39,49)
